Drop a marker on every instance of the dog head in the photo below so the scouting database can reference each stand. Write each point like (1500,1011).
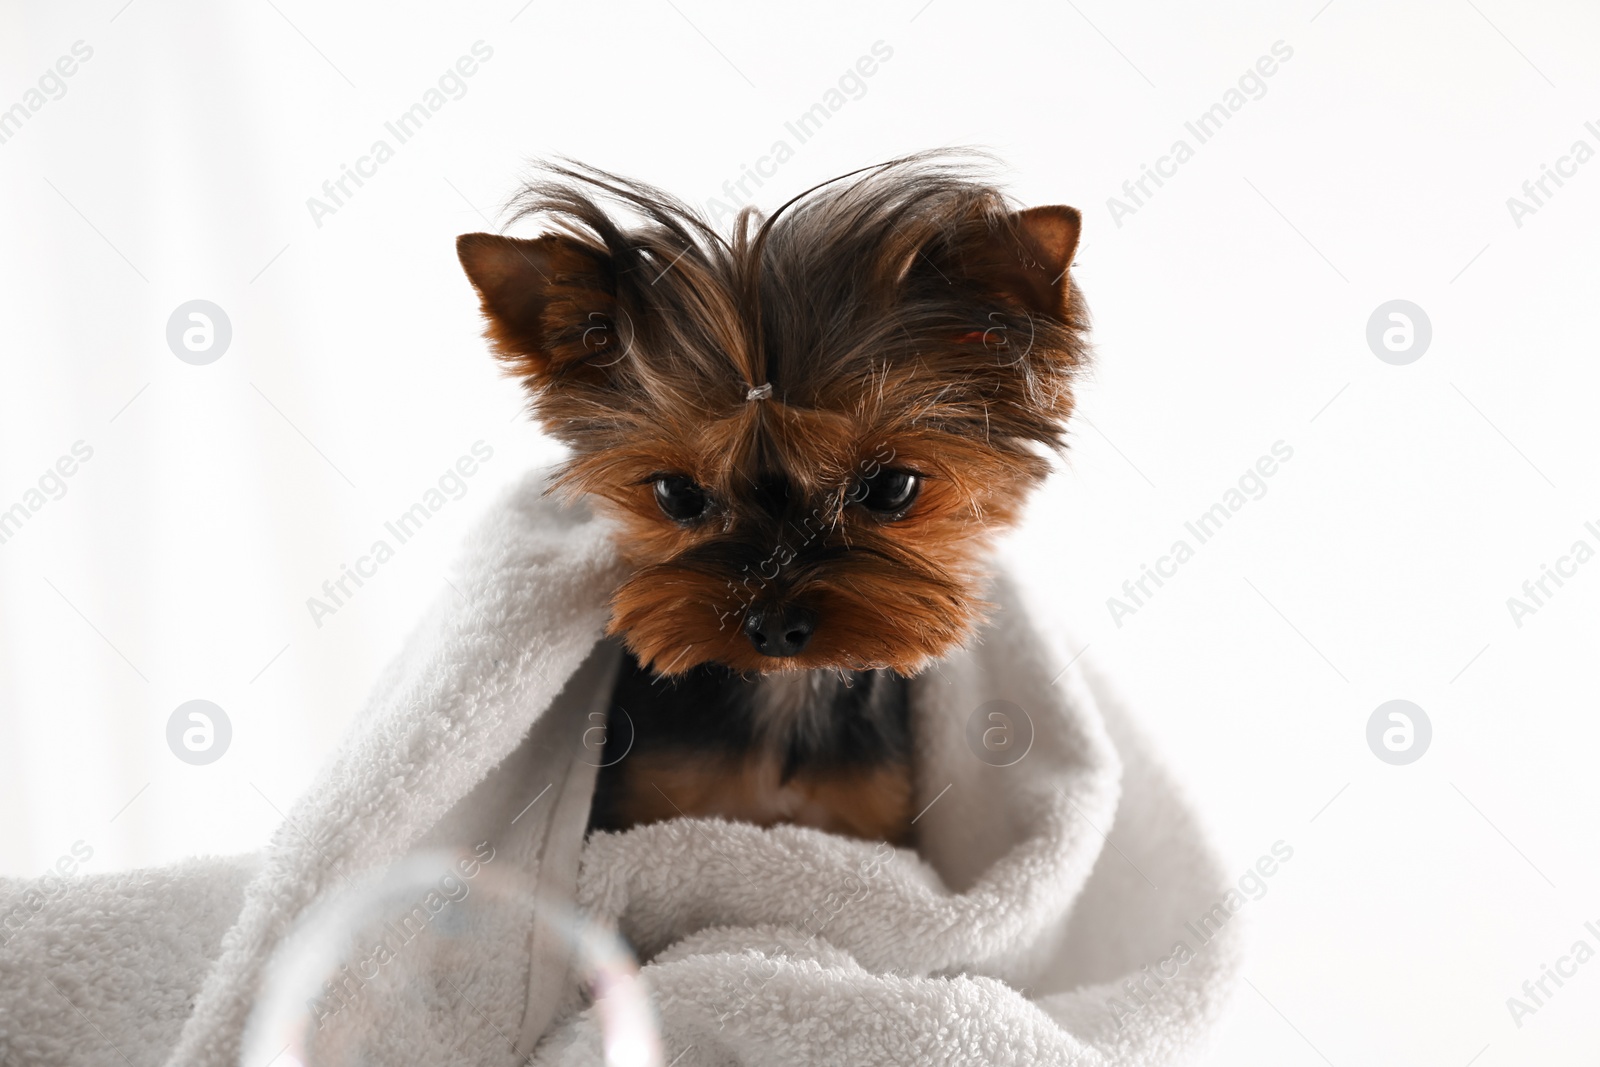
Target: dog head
(808,430)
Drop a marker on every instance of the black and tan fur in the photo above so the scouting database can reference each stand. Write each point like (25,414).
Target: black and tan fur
(900,326)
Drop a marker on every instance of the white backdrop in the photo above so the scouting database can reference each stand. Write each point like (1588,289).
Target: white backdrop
(1231,304)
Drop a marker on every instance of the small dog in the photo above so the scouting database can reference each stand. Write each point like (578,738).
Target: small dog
(807,433)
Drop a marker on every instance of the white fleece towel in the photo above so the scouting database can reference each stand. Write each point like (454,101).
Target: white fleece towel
(419,902)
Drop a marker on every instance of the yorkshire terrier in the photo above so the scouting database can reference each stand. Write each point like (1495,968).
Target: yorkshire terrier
(808,433)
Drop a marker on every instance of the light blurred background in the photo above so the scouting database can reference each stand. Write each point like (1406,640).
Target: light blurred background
(1231,310)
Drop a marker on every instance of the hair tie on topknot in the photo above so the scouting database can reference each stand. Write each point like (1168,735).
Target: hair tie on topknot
(759,392)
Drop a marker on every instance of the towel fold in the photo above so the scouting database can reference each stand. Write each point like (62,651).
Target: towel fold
(432,898)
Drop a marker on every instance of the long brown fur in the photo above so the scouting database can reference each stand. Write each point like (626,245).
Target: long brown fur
(905,316)
(901,320)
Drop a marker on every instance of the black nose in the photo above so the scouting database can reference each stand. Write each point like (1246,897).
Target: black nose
(780,630)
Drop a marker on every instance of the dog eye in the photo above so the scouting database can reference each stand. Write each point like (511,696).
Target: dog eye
(680,498)
(889,492)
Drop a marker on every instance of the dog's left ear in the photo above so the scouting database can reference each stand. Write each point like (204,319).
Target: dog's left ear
(1022,259)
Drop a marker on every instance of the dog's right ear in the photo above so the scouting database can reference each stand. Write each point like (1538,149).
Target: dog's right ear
(549,301)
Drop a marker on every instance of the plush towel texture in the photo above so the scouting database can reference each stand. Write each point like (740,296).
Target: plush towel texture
(419,904)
